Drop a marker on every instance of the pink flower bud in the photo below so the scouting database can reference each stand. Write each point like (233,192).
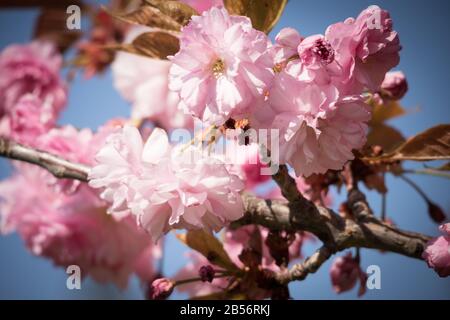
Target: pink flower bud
(437,253)
(160,289)
(345,272)
(435,212)
(394,86)
(206,273)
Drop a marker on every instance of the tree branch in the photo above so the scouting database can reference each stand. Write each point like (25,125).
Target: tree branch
(297,214)
(59,167)
(301,270)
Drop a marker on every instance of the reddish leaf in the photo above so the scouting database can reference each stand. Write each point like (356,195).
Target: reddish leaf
(383,112)
(263,13)
(432,144)
(385,136)
(178,11)
(51,26)
(149,16)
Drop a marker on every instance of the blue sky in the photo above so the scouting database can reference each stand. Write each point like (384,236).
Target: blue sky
(423,27)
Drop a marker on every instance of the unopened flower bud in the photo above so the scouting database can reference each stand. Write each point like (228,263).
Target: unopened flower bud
(161,289)
(206,273)
(435,212)
(394,85)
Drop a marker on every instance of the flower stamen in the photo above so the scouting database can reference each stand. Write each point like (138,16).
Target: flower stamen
(218,68)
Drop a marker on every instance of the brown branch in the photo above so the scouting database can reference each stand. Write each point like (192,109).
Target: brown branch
(334,231)
(59,167)
(297,214)
(301,270)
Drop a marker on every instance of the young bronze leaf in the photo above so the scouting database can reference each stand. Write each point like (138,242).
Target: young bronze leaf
(149,16)
(387,111)
(263,13)
(384,136)
(51,26)
(210,247)
(178,11)
(157,44)
(432,144)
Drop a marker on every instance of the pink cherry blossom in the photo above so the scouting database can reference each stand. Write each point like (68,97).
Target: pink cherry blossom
(366,48)
(203,5)
(318,128)
(32,69)
(74,228)
(317,62)
(117,162)
(233,70)
(285,46)
(245,161)
(345,272)
(437,252)
(144,82)
(165,187)
(26,122)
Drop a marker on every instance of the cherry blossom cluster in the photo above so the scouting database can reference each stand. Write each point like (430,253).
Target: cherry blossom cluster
(314,91)
(166,187)
(310,89)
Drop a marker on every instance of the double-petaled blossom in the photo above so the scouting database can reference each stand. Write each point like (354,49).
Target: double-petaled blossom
(222,67)
(32,69)
(166,187)
(437,252)
(245,161)
(318,128)
(365,48)
(345,272)
(144,82)
(74,228)
(26,122)
(316,98)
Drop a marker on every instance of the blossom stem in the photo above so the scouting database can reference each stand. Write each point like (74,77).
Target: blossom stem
(430,172)
(415,187)
(196,279)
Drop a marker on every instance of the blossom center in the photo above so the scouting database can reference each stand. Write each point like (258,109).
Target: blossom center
(324,51)
(218,68)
